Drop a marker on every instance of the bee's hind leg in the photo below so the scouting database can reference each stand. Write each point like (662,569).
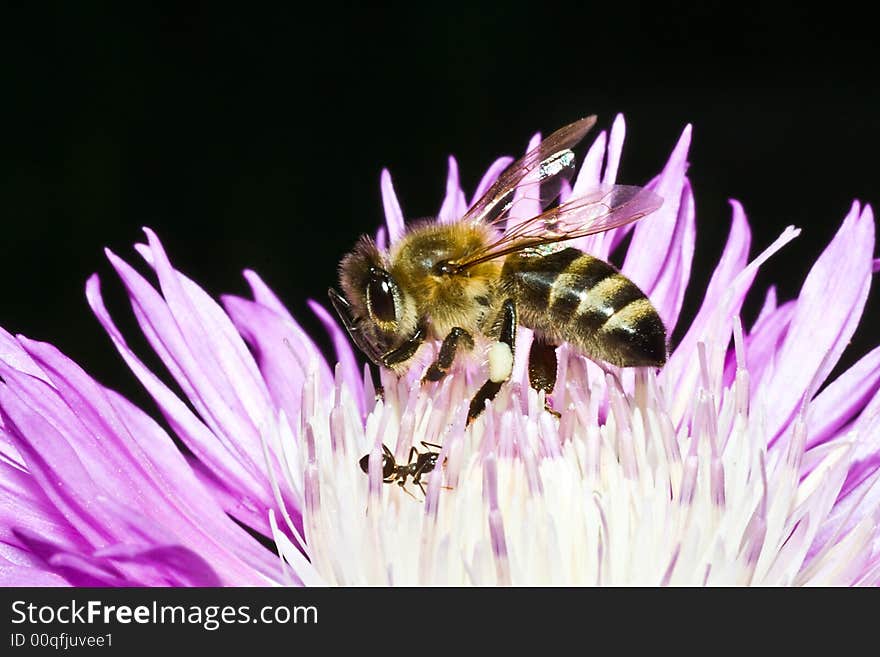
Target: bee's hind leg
(451,342)
(542,369)
(500,361)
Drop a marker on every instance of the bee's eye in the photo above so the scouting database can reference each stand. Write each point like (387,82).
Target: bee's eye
(380,296)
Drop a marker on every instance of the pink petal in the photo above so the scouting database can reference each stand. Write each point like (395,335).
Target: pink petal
(454,204)
(615,147)
(15,575)
(714,321)
(393,213)
(264,295)
(829,307)
(205,385)
(123,448)
(733,260)
(344,355)
(649,252)
(213,449)
(843,399)
(762,344)
(285,352)
(211,337)
(23,504)
(588,177)
(12,353)
(495,169)
(524,206)
(667,294)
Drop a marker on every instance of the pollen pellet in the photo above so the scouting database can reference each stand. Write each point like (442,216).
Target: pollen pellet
(500,362)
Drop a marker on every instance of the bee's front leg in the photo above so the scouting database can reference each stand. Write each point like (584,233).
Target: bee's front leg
(439,367)
(405,351)
(500,361)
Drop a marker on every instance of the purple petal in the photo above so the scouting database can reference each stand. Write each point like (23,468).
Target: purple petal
(860,496)
(615,147)
(264,295)
(589,176)
(523,206)
(213,449)
(204,383)
(454,204)
(667,294)
(762,344)
(495,169)
(843,399)
(829,307)
(12,353)
(381,238)
(344,355)
(23,504)
(123,448)
(41,425)
(714,321)
(175,564)
(211,336)
(285,352)
(770,303)
(733,260)
(393,213)
(602,245)
(14,575)
(649,252)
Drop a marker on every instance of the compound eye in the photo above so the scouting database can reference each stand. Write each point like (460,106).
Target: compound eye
(380,296)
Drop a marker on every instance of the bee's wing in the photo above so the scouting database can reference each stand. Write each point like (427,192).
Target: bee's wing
(599,210)
(538,175)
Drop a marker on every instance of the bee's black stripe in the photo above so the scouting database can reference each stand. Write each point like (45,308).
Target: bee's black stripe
(534,275)
(622,297)
(581,276)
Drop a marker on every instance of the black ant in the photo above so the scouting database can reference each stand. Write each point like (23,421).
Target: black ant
(424,463)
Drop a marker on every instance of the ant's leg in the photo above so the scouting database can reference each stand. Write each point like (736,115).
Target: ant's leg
(500,361)
(405,490)
(542,369)
(405,351)
(451,342)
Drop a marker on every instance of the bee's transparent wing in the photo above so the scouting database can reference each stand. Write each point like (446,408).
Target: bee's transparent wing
(602,209)
(539,175)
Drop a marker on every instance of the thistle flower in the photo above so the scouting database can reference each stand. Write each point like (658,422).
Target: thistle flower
(732,465)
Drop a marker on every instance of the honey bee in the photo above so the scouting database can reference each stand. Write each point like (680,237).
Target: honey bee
(469,279)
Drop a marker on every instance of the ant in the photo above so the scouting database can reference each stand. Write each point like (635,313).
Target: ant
(424,463)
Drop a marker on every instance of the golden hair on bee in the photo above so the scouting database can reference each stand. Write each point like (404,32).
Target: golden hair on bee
(487,273)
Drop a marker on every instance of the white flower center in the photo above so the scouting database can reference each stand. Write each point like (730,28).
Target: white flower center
(611,493)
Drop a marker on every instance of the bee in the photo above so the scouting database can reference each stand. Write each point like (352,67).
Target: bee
(419,464)
(469,279)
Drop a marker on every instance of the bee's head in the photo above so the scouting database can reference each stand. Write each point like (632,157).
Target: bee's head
(378,314)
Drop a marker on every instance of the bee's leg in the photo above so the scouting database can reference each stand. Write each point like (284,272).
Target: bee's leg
(542,369)
(439,367)
(500,361)
(405,351)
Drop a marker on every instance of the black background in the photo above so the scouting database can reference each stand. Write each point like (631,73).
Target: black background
(254,137)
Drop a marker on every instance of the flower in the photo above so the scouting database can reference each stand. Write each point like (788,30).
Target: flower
(732,465)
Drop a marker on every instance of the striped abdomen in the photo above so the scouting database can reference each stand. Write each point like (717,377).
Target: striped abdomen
(571,296)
